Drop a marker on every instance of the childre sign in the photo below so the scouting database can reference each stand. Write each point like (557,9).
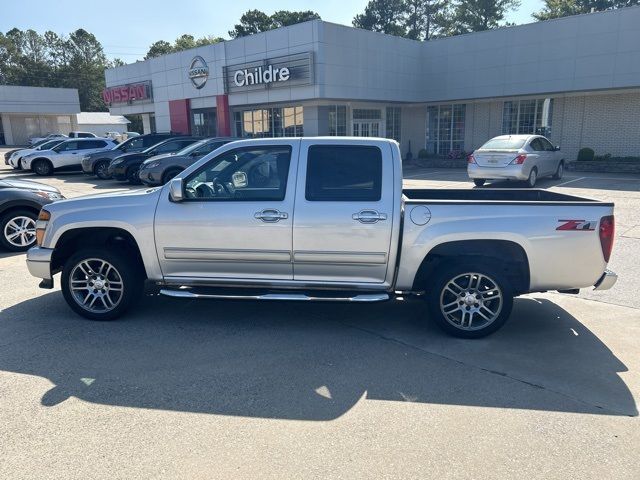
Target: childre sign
(289,70)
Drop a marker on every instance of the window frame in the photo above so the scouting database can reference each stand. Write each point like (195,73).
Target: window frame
(377,183)
(197,172)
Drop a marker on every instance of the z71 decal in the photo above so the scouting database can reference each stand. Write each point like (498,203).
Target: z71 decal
(581,225)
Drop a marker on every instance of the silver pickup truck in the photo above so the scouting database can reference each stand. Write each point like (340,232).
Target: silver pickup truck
(322,219)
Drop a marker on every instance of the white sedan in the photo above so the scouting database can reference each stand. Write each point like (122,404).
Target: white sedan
(515,157)
(65,156)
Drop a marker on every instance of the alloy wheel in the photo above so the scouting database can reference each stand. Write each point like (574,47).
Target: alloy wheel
(96,285)
(20,231)
(471,301)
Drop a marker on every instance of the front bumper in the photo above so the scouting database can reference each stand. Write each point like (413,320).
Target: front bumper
(606,281)
(508,172)
(87,166)
(39,262)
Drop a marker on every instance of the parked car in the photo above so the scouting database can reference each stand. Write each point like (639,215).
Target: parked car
(127,166)
(20,203)
(14,159)
(8,153)
(322,219)
(98,163)
(49,136)
(160,169)
(515,157)
(64,156)
(76,134)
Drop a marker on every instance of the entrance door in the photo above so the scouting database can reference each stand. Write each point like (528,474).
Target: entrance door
(366,128)
(236,219)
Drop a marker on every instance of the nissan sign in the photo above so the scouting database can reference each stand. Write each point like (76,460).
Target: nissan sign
(198,72)
(289,70)
(129,93)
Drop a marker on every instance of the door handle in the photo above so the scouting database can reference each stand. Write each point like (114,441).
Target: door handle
(271,215)
(369,216)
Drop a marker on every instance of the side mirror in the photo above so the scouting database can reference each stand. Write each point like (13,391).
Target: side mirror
(240,180)
(175,190)
(557,148)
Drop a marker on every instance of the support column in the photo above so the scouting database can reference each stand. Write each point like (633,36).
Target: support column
(6,126)
(179,115)
(223,116)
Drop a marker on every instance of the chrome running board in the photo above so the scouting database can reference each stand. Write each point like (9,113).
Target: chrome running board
(362,298)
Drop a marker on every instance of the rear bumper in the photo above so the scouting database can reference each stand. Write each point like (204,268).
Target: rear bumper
(508,172)
(39,262)
(606,281)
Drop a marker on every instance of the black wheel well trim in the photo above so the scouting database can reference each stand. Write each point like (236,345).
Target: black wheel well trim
(20,205)
(507,253)
(111,237)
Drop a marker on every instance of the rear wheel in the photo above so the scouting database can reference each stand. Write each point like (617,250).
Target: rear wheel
(169,174)
(42,167)
(479,182)
(101,285)
(102,170)
(18,230)
(470,299)
(533,178)
(559,171)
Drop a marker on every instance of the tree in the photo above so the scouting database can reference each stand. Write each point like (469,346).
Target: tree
(425,19)
(183,42)
(251,22)
(386,16)
(478,15)
(159,48)
(564,8)
(256,21)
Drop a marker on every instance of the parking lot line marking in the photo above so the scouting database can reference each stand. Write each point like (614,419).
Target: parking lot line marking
(570,181)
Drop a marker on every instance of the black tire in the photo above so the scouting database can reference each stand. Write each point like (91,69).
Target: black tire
(42,167)
(559,171)
(128,270)
(132,175)
(169,174)
(533,178)
(101,169)
(439,295)
(479,181)
(13,245)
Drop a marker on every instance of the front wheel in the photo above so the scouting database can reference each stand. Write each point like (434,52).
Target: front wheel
(101,285)
(18,230)
(132,175)
(42,167)
(479,182)
(102,170)
(470,299)
(169,174)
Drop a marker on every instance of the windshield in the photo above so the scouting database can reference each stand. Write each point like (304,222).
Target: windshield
(192,147)
(508,143)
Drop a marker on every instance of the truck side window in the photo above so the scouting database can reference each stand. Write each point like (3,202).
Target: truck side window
(344,173)
(249,174)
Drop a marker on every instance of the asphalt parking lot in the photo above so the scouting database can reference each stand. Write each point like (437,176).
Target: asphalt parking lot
(215,389)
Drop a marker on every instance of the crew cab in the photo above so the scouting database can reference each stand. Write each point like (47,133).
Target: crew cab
(64,156)
(322,219)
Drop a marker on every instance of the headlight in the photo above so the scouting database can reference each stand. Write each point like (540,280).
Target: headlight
(50,195)
(150,165)
(41,226)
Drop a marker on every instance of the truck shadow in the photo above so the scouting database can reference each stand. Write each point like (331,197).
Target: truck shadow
(308,361)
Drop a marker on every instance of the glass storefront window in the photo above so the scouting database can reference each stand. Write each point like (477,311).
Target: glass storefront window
(393,123)
(527,117)
(270,122)
(367,114)
(337,120)
(445,129)
(204,122)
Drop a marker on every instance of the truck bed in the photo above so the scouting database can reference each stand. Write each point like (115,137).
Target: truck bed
(505,196)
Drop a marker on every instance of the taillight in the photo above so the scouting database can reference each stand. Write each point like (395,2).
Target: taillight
(519,160)
(607,232)
(471,159)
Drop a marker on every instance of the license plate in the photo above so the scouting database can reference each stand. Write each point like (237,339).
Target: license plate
(493,160)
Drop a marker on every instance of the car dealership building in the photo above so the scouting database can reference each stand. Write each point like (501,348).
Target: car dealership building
(575,79)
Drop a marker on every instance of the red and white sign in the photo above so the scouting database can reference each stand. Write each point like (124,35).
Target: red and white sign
(131,92)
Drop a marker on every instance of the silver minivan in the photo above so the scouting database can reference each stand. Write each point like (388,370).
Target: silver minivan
(515,157)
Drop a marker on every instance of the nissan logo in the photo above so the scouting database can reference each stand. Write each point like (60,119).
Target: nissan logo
(198,72)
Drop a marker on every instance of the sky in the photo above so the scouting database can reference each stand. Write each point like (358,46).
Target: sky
(126,29)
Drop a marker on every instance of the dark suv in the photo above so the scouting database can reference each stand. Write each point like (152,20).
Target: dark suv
(98,163)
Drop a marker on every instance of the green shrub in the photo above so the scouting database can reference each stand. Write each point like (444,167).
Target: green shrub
(586,154)
(423,153)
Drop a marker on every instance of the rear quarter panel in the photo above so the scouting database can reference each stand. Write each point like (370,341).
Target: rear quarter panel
(558,259)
